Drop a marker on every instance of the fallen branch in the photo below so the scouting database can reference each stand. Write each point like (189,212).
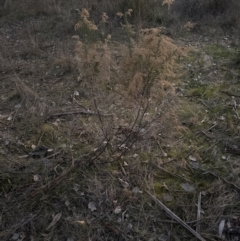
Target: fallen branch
(174,216)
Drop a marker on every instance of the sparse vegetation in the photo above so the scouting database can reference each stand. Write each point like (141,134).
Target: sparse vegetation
(104,102)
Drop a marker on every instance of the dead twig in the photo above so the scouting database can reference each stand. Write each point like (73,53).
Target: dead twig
(80,112)
(174,216)
(199,213)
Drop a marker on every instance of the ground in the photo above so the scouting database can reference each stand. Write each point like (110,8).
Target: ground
(97,124)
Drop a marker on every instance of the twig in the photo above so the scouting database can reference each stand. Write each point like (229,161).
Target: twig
(100,119)
(234,109)
(74,99)
(172,221)
(80,112)
(174,216)
(199,213)
(3,123)
(40,138)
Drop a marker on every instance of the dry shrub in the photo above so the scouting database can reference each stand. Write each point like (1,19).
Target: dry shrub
(93,61)
(154,58)
(189,26)
(133,78)
(138,67)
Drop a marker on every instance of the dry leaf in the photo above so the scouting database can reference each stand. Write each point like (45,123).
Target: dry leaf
(221,227)
(9,118)
(192,158)
(15,236)
(55,219)
(188,187)
(82,222)
(125,163)
(194,165)
(36,178)
(167,197)
(76,93)
(117,210)
(92,206)
(124,184)
(136,190)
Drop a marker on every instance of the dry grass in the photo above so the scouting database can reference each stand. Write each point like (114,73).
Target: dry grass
(111,119)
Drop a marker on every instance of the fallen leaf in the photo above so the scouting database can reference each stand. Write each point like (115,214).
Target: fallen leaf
(117,210)
(15,236)
(163,237)
(76,93)
(82,222)
(129,226)
(188,187)
(9,118)
(192,158)
(124,184)
(194,165)
(119,220)
(55,219)
(125,163)
(165,154)
(92,206)
(167,197)
(221,227)
(136,190)
(36,178)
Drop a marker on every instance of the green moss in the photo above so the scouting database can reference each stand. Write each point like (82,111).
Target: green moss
(218,51)
(48,134)
(205,91)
